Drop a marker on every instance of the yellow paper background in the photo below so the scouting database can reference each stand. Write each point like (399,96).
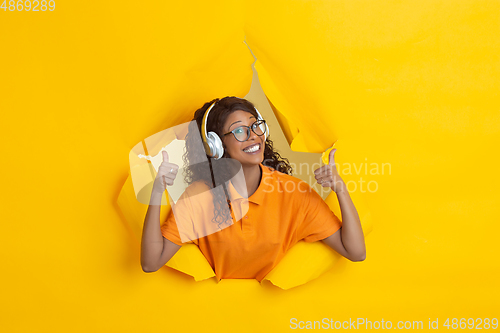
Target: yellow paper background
(410,83)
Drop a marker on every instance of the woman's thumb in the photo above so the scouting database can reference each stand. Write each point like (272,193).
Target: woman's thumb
(331,159)
(165,156)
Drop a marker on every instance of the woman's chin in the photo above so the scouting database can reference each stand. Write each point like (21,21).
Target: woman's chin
(256,160)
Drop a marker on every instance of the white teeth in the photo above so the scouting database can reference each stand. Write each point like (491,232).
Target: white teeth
(252,149)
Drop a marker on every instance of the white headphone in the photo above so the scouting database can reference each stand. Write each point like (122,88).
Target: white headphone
(212,142)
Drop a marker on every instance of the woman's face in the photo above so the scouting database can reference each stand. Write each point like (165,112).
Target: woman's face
(239,150)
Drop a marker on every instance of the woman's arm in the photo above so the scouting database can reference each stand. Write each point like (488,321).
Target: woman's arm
(156,250)
(349,240)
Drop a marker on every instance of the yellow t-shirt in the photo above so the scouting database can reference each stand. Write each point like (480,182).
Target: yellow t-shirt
(282,211)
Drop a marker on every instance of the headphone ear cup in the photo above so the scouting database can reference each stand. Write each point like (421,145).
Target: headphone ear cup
(215,144)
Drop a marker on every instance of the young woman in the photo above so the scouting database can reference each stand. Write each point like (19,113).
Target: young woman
(279,210)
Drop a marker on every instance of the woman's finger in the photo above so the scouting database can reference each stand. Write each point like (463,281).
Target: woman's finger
(169,176)
(331,157)
(325,176)
(167,181)
(167,167)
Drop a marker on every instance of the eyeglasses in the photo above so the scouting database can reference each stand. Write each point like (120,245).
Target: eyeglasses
(242,133)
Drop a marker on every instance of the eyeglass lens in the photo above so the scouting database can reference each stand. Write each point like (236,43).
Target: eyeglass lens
(242,133)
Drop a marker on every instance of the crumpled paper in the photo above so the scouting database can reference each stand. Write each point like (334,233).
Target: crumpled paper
(301,264)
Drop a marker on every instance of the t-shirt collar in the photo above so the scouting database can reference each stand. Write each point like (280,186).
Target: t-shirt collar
(258,195)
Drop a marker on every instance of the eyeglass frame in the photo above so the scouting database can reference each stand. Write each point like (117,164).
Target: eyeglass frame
(248,130)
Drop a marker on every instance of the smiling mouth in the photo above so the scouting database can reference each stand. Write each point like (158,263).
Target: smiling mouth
(252,149)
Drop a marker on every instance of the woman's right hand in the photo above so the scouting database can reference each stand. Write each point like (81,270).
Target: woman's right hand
(166,174)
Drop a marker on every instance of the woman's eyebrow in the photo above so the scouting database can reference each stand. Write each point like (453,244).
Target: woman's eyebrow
(239,121)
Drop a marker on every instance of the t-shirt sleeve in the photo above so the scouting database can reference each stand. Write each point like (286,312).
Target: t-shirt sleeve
(170,231)
(318,221)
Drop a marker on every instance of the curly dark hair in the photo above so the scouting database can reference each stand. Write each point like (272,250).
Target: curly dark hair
(196,171)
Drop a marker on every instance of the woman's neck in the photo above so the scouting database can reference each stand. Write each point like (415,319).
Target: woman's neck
(252,178)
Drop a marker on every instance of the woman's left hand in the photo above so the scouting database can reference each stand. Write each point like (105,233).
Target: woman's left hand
(328,176)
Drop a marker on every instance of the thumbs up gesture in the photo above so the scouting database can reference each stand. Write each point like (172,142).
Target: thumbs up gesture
(328,176)
(166,174)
